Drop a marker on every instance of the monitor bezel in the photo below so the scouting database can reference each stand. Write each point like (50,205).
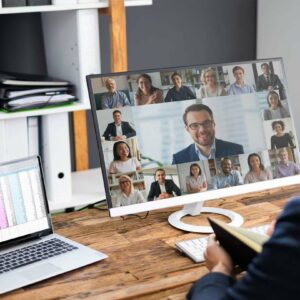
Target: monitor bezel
(189,198)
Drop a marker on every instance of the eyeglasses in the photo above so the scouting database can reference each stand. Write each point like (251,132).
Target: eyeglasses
(206,124)
(127,181)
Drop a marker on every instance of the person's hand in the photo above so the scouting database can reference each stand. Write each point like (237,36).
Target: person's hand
(216,258)
(164,196)
(270,88)
(226,185)
(271,228)
(152,99)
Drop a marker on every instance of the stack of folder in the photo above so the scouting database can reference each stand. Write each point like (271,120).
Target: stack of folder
(23,92)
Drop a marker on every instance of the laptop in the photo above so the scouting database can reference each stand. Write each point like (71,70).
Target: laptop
(29,250)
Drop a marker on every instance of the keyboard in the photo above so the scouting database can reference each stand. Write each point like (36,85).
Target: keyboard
(195,248)
(33,253)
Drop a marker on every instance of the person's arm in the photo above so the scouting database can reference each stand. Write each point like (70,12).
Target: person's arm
(130,132)
(214,285)
(139,197)
(168,97)
(126,101)
(267,114)
(214,183)
(105,102)
(238,178)
(269,174)
(290,141)
(107,133)
(188,186)
(190,93)
(247,179)
(152,192)
(273,145)
(175,188)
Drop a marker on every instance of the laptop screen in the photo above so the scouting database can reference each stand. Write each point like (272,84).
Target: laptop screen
(23,208)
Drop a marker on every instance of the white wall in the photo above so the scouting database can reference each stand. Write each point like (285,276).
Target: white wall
(278,26)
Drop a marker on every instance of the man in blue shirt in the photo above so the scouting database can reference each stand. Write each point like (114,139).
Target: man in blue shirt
(228,177)
(113,98)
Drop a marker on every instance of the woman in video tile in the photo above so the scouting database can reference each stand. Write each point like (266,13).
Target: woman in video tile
(123,161)
(257,170)
(275,110)
(195,182)
(147,93)
(280,139)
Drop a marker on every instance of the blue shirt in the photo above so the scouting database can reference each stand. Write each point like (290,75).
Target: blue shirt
(236,89)
(184,93)
(212,153)
(114,100)
(223,180)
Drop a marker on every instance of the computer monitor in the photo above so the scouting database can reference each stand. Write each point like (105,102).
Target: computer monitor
(185,135)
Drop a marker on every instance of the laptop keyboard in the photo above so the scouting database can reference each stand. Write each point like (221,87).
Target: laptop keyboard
(33,253)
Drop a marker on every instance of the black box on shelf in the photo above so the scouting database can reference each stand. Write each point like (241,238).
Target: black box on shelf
(38,2)
(12,3)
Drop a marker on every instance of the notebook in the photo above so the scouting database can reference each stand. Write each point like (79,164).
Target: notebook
(29,249)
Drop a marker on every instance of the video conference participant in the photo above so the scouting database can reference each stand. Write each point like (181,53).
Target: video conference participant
(179,91)
(211,87)
(162,188)
(257,171)
(239,86)
(196,181)
(285,167)
(199,123)
(275,110)
(123,161)
(147,93)
(228,177)
(280,139)
(269,81)
(118,130)
(273,274)
(113,98)
(128,195)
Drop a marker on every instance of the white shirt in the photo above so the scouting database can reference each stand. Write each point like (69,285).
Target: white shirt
(134,198)
(119,129)
(119,166)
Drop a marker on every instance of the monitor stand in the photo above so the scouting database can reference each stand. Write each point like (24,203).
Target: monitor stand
(195,209)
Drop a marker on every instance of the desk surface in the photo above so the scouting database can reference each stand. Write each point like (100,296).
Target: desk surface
(143,262)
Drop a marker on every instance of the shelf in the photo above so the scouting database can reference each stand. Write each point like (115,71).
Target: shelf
(49,8)
(87,188)
(45,111)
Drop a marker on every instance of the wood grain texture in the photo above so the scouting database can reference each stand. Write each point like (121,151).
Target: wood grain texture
(80,140)
(143,262)
(118,40)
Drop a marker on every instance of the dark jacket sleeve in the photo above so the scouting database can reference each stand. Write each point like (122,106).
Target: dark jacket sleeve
(172,187)
(108,132)
(212,286)
(152,192)
(128,130)
(273,274)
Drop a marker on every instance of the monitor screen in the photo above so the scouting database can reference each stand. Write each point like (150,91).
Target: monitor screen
(180,135)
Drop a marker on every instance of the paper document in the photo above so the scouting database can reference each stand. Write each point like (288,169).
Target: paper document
(41,99)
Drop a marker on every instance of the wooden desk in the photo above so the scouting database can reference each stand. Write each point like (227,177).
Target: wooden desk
(143,262)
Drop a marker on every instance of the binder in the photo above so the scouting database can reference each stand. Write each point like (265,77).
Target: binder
(14,139)
(56,156)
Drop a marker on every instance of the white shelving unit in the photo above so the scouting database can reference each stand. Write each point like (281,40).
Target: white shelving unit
(71,39)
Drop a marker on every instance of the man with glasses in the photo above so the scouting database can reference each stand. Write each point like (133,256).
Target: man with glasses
(200,124)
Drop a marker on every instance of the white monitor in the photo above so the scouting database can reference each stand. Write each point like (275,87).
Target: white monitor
(181,136)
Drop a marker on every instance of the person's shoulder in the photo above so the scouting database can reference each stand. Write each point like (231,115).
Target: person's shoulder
(183,155)
(292,206)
